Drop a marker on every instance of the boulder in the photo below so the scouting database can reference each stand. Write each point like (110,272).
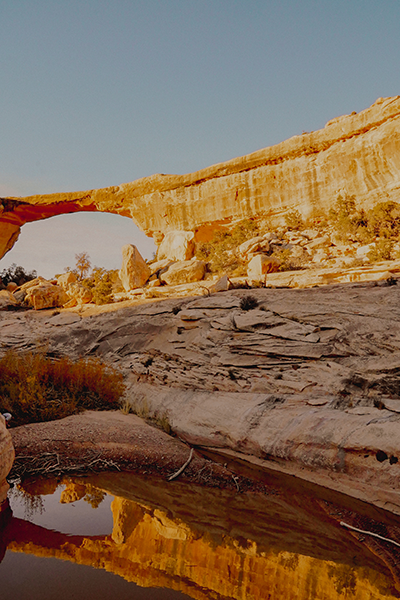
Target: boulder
(186,271)
(46,296)
(33,282)
(177,245)
(7,300)
(6,459)
(79,292)
(363,251)
(134,271)
(67,278)
(157,266)
(319,242)
(252,246)
(260,265)
(222,285)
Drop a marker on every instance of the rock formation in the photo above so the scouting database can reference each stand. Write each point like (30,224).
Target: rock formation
(305,382)
(357,154)
(134,271)
(6,459)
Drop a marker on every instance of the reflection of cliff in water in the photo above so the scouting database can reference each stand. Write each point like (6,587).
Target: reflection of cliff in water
(213,544)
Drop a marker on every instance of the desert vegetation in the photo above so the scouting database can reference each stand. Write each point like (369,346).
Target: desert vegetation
(341,231)
(16,274)
(35,387)
(220,253)
(99,281)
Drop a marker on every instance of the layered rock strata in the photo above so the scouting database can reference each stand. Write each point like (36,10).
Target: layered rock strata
(305,382)
(357,154)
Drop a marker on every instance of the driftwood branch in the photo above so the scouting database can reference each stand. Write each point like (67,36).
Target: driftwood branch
(183,467)
(376,535)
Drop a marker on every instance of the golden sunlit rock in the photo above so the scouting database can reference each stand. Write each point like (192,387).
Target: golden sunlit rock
(355,154)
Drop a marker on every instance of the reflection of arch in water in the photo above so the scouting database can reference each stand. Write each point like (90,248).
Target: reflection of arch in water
(213,553)
(48,246)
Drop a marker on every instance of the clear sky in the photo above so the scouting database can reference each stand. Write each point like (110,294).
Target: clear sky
(95,93)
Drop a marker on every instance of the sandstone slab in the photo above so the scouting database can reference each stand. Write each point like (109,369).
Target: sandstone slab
(6,458)
(134,271)
(176,246)
(46,296)
(260,265)
(187,271)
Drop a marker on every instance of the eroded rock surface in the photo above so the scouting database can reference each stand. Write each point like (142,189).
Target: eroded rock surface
(355,154)
(6,459)
(306,382)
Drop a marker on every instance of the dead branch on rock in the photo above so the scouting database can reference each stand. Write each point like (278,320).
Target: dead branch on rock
(376,535)
(49,463)
(183,467)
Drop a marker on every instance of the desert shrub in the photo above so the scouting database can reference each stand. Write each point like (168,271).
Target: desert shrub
(34,387)
(220,251)
(294,220)
(16,274)
(288,262)
(384,219)
(103,284)
(248,303)
(344,216)
(382,251)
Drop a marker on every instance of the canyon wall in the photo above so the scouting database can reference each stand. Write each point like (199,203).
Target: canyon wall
(357,154)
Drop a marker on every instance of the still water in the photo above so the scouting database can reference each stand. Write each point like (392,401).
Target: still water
(124,536)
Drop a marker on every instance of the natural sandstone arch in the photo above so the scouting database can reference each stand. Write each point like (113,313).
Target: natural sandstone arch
(357,154)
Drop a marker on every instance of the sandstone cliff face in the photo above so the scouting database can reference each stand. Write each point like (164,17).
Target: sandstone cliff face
(357,154)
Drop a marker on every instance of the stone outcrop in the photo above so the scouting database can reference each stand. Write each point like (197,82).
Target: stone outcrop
(46,295)
(260,265)
(186,271)
(134,271)
(6,459)
(177,246)
(356,154)
(300,382)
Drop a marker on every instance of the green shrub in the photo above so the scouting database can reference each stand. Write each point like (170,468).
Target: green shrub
(382,251)
(219,252)
(344,216)
(248,303)
(34,387)
(103,283)
(16,275)
(294,220)
(384,219)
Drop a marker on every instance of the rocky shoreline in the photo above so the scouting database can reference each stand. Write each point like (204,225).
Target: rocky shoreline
(306,382)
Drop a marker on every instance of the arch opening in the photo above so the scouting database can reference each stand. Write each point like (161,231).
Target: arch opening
(49,245)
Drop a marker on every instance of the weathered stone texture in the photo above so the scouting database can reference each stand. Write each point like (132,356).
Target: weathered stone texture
(134,271)
(6,458)
(355,154)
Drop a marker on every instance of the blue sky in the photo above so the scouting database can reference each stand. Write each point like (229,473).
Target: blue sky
(97,92)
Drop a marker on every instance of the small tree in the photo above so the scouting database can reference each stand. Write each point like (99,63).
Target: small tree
(17,275)
(82,265)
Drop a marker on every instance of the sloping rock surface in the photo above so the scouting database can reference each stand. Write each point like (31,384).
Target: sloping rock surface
(307,382)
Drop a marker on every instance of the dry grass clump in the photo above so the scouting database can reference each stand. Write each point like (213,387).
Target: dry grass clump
(34,387)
